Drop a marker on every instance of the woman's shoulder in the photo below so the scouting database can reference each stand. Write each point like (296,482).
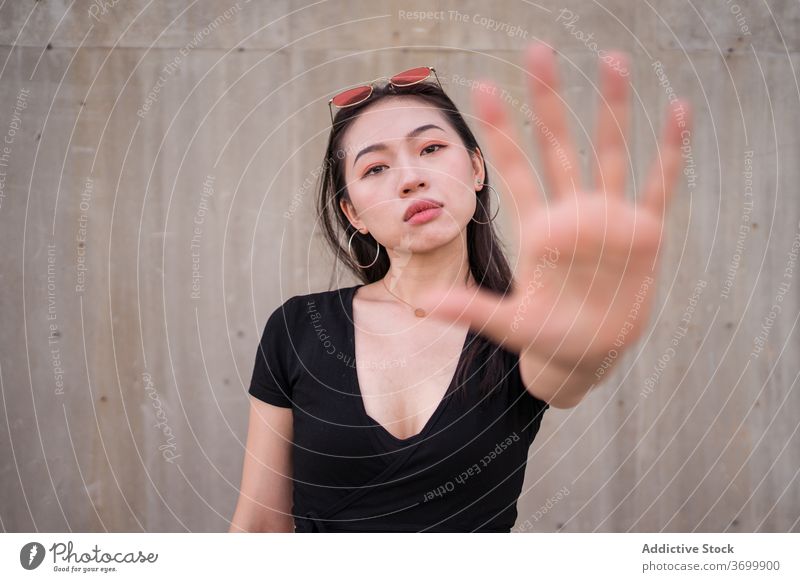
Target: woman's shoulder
(297,304)
(332,295)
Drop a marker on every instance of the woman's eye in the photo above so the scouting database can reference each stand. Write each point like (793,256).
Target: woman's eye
(371,173)
(434,145)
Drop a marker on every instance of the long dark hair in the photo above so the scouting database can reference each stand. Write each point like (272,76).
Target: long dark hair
(486,257)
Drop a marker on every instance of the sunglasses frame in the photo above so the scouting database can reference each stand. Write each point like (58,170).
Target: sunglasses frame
(371,86)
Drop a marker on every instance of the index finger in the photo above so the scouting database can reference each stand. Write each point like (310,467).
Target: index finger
(511,161)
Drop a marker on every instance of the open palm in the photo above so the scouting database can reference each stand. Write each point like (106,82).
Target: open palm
(586,269)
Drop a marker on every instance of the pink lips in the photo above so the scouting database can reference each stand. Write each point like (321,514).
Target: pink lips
(421,210)
(425,216)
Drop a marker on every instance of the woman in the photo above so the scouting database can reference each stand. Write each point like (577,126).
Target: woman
(409,402)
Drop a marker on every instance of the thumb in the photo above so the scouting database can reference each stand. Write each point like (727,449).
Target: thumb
(476,307)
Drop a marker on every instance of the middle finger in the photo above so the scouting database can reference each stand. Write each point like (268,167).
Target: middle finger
(611,157)
(550,123)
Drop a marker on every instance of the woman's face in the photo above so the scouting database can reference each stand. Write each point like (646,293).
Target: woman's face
(386,171)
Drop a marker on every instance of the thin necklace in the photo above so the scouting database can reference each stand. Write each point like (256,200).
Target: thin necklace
(418,311)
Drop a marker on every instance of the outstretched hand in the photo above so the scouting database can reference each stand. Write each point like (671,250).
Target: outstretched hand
(586,255)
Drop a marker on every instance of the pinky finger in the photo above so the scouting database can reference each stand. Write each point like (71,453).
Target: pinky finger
(665,169)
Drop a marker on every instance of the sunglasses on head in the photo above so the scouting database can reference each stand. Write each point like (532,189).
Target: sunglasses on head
(356,95)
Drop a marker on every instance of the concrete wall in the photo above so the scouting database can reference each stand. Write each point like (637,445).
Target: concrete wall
(152,141)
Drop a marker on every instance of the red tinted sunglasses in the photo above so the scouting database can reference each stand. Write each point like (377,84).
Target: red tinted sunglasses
(356,95)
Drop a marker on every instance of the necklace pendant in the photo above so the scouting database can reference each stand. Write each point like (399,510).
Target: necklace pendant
(419,312)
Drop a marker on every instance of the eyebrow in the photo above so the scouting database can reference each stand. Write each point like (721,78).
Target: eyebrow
(382,146)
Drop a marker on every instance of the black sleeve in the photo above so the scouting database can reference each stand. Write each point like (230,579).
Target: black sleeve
(270,381)
(522,397)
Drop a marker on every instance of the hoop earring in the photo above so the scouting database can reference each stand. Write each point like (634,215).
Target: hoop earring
(498,205)
(350,252)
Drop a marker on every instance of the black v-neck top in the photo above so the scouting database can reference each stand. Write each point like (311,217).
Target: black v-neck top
(462,472)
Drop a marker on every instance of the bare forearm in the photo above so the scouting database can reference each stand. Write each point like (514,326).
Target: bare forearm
(248,519)
(560,386)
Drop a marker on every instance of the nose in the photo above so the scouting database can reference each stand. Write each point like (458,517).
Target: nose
(412,187)
(412,180)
